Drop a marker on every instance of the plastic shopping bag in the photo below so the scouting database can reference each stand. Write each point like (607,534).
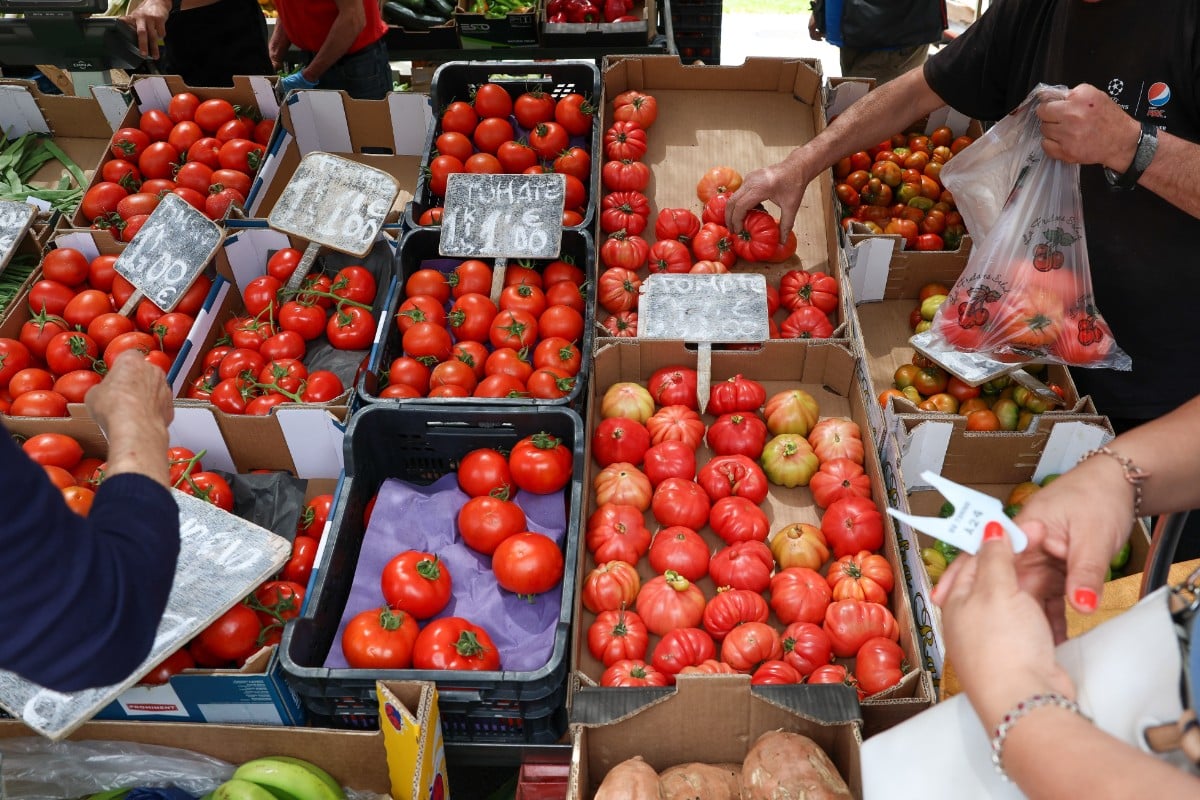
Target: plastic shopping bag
(1026,292)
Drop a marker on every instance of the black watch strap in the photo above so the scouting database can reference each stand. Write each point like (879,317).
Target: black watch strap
(1147,146)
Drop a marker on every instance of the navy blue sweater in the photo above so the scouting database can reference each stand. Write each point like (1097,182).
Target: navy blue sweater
(81,598)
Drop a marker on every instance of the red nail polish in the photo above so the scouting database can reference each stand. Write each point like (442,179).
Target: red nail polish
(1085,599)
(993,530)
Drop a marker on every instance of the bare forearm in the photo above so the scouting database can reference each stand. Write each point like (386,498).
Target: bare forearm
(139,446)
(1174,173)
(1168,448)
(1055,753)
(872,119)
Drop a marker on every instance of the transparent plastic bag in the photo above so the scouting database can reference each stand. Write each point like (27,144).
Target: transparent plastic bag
(1026,292)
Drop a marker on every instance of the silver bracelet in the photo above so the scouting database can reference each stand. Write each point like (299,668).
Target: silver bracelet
(1020,710)
(1135,476)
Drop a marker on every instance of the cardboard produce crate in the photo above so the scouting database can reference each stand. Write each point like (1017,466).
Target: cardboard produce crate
(885,293)
(420,445)
(993,462)
(387,134)
(673,726)
(28,252)
(401,757)
(827,371)
(155,92)
(78,126)
(602,34)
(479,31)
(768,107)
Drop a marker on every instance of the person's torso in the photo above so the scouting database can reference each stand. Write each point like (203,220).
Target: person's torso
(307,23)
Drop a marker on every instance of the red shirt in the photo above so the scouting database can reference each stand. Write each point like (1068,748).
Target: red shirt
(307,23)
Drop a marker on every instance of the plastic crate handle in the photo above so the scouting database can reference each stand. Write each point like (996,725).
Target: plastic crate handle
(459,696)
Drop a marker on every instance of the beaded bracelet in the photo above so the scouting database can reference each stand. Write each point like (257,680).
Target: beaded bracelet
(1020,710)
(1135,476)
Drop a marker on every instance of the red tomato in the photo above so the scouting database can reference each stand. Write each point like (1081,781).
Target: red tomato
(743,433)
(71,350)
(459,117)
(380,638)
(736,519)
(799,594)
(617,635)
(455,643)
(682,647)
(416,582)
(101,198)
(852,524)
(806,647)
(53,449)
(617,532)
(159,160)
(541,463)
(748,645)
(173,664)
(314,516)
(879,664)
(486,521)
(678,501)
(299,567)
(240,154)
(322,386)
(634,672)
(669,459)
(182,106)
(528,563)
(670,601)
(184,134)
(619,439)
(212,114)
(75,385)
(39,403)
(65,265)
(533,107)
(838,478)
(233,636)
(732,608)
(735,475)
(128,143)
(210,487)
(743,565)
(850,623)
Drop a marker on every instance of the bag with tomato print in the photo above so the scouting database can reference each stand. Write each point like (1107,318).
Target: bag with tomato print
(1026,292)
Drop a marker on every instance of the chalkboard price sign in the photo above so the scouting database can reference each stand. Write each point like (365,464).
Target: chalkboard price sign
(335,202)
(15,219)
(704,308)
(171,249)
(503,216)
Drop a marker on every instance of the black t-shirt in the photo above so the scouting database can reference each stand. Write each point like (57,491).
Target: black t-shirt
(1144,252)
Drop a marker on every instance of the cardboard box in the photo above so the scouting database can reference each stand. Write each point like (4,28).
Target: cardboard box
(357,759)
(603,34)
(827,371)
(768,108)
(479,31)
(29,251)
(387,134)
(412,735)
(885,293)
(992,462)
(78,126)
(673,728)
(155,92)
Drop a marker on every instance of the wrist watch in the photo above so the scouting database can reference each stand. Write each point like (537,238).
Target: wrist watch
(1147,146)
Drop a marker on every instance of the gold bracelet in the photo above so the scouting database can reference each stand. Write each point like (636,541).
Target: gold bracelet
(1135,476)
(1021,709)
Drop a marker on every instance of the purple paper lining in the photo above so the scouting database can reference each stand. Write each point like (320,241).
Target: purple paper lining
(412,517)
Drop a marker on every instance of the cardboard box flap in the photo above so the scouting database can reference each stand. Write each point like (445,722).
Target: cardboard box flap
(1067,443)
(832,703)
(155,91)
(924,448)
(874,276)
(197,429)
(19,112)
(412,736)
(802,76)
(409,139)
(113,103)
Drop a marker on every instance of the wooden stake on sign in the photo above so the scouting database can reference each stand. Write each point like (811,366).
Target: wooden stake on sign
(974,369)
(706,309)
(333,202)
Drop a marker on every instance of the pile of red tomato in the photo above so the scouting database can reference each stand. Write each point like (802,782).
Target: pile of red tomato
(259,362)
(895,188)
(494,133)
(205,151)
(417,586)
(457,342)
(648,446)
(257,621)
(74,332)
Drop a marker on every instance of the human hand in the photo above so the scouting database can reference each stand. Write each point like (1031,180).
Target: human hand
(814,32)
(278,47)
(1088,127)
(782,183)
(295,81)
(133,407)
(997,637)
(149,21)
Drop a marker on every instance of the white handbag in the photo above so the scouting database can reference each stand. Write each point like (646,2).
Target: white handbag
(1129,677)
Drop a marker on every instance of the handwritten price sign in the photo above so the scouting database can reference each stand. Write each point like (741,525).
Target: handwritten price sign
(169,251)
(503,216)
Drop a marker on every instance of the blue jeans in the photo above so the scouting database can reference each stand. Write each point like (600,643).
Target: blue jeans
(365,74)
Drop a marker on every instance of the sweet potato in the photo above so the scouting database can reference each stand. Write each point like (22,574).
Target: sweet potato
(632,779)
(789,766)
(698,781)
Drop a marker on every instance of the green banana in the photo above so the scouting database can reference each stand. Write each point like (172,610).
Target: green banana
(287,781)
(235,789)
(325,777)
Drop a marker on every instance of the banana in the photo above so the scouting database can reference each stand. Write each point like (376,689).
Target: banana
(287,781)
(325,777)
(235,789)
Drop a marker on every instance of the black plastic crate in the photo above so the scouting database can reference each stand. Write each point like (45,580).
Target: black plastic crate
(702,45)
(702,15)
(419,248)
(457,80)
(420,445)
